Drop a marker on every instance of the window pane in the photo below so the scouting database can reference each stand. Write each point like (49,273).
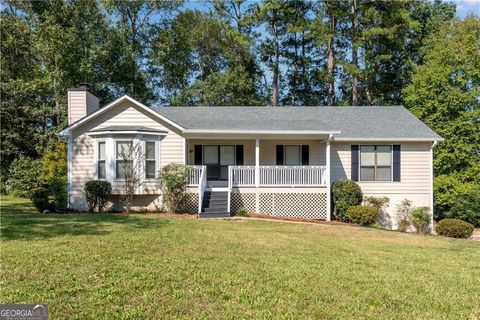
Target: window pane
(227,155)
(150,152)
(210,155)
(292,155)
(384,156)
(384,173)
(367,155)
(150,169)
(101,151)
(101,170)
(123,147)
(367,173)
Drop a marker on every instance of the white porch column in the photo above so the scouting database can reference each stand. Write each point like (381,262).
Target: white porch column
(257,162)
(327,179)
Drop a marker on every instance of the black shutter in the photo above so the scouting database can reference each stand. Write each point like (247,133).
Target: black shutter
(355,153)
(198,154)
(396,162)
(305,155)
(279,155)
(239,154)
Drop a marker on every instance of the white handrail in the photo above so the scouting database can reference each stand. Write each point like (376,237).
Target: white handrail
(195,173)
(202,185)
(278,176)
(229,191)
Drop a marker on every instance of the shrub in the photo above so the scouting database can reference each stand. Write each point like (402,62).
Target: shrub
(363,215)
(173,180)
(404,214)
(58,191)
(378,202)
(345,193)
(467,208)
(97,193)
(23,177)
(242,212)
(448,191)
(421,219)
(454,228)
(40,198)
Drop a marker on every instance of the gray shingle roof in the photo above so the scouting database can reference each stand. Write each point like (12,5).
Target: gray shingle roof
(382,122)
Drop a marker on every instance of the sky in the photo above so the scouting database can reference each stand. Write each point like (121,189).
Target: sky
(464,7)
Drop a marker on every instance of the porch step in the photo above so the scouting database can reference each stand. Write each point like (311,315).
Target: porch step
(214,215)
(214,204)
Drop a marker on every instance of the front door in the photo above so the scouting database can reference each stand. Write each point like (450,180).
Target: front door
(217,159)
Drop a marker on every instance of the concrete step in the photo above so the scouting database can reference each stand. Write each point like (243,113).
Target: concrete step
(214,215)
(215,209)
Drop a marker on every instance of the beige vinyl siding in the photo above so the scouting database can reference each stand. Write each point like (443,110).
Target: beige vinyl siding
(268,150)
(414,184)
(414,169)
(83,157)
(126,114)
(76,104)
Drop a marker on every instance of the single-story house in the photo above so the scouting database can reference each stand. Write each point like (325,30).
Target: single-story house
(279,161)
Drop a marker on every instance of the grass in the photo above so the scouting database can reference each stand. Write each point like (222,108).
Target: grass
(153,267)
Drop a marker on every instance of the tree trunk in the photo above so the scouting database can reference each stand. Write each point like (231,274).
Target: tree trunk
(331,59)
(355,81)
(276,53)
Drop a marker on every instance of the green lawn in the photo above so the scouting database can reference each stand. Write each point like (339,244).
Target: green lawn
(140,266)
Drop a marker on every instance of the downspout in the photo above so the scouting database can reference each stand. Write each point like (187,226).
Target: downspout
(431,184)
(327,177)
(69,168)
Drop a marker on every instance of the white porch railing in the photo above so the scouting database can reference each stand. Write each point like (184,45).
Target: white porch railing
(202,185)
(195,174)
(277,176)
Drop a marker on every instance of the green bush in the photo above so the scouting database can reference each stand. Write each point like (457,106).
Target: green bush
(454,228)
(40,198)
(421,219)
(466,208)
(345,193)
(242,212)
(448,192)
(59,193)
(97,193)
(23,177)
(173,180)
(362,215)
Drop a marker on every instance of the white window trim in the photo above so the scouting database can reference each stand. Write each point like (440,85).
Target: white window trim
(360,163)
(157,158)
(97,142)
(299,154)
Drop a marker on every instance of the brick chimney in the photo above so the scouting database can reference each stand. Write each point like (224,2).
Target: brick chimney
(81,102)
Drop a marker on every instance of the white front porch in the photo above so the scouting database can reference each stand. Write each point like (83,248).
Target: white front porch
(260,185)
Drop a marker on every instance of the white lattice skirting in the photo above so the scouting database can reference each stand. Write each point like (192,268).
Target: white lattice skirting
(297,204)
(191,206)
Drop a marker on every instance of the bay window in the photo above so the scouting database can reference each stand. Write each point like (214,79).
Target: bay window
(101,157)
(150,160)
(124,158)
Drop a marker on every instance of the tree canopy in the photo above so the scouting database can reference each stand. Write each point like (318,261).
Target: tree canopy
(236,52)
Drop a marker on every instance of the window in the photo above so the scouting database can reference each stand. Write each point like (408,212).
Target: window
(292,155)
(376,163)
(124,159)
(101,168)
(150,160)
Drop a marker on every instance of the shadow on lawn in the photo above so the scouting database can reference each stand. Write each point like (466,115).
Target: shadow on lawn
(32,226)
